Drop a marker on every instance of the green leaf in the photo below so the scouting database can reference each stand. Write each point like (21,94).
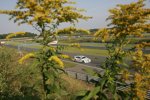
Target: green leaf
(50,76)
(103,96)
(63,92)
(81,93)
(102,83)
(112,88)
(92,93)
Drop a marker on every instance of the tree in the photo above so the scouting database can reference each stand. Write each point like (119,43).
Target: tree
(126,20)
(27,34)
(45,16)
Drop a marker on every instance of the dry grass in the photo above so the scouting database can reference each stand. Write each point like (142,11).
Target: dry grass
(75,85)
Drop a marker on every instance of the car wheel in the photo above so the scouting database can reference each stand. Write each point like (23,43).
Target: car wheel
(83,61)
(74,60)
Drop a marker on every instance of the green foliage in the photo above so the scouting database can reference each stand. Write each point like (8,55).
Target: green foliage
(24,82)
(126,20)
(17,81)
(93,30)
(28,34)
(3,36)
(45,16)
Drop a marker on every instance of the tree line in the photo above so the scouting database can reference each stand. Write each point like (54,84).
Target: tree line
(28,34)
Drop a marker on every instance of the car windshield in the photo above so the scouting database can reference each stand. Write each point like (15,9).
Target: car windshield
(83,57)
(77,57)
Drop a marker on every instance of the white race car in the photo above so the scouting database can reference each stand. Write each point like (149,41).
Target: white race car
(2,43)
(82,59)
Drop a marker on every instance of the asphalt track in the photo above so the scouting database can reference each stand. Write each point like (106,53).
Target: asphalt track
(96,61)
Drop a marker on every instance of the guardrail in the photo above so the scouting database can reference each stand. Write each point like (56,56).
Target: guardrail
(91,79)
(81,76)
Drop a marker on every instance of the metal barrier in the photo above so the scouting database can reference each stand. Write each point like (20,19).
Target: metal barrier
(82,76)
(90,79)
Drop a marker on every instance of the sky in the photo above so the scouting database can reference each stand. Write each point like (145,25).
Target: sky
(97,9)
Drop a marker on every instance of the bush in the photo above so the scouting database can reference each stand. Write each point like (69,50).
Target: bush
(16,81)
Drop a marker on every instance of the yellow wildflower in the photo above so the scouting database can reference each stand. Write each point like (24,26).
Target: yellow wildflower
(30,23)
(139,53)
(29,55)
(125,75)
(117,49)
(56,60)
(52,49)
(103,33)
(48,81)
(75,45)
(139,86)
(118,62)
(64,56)
(138,77)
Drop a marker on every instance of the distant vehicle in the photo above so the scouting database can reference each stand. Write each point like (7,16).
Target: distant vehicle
(82,59)
(2,43)
(53,42)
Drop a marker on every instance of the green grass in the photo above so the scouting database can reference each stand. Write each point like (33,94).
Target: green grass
(27,80)
(70,49)
(88,44)
(14,43)
(95,44)
(84,51)
(96,52)
(69,64)
(24,44)
(146,34)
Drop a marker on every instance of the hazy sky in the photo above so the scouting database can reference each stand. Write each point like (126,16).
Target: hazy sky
(98,9)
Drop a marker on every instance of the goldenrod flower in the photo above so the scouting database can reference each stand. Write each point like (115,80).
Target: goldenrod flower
(29,55)
(139,86)
(75,45)
(52,49)
(48,81)
(64,56)
(103,33)
(125,75)
(56,60)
